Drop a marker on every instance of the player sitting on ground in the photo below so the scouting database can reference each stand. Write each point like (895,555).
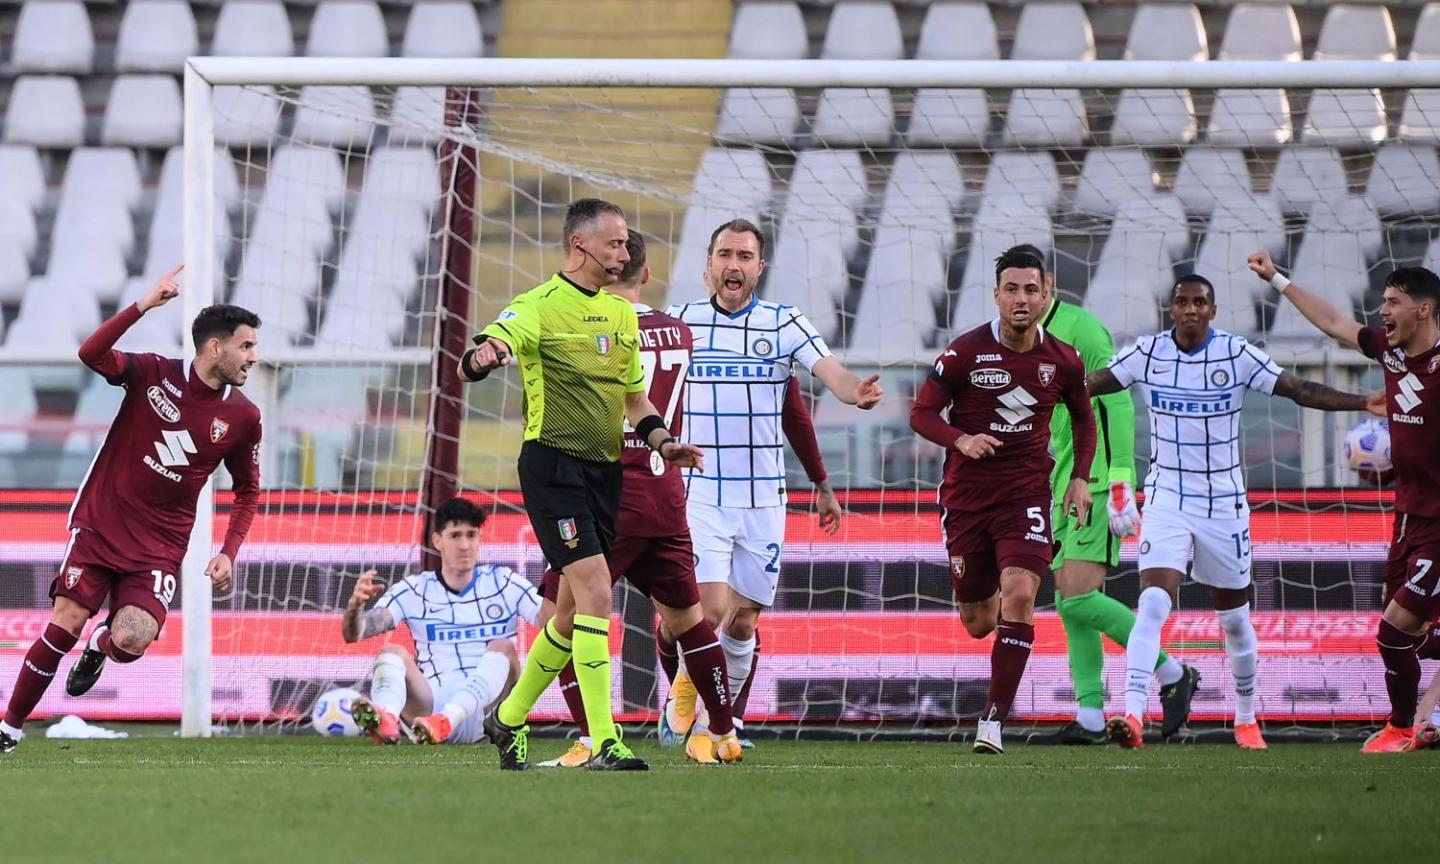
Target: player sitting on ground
(1407,345)
(1001,382)
(131,522)
(1196,509)
(463,620)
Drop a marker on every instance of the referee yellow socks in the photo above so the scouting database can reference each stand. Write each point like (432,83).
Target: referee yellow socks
(548,655)
(592,671)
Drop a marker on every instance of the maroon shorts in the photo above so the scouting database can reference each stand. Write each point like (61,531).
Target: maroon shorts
(1412,569)
(981,545)
(661,567)
(86,578)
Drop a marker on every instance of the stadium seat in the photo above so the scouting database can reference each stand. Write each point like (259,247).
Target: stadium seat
(155,36)
(1352,31)
(94,410)
(18,396)
(403,174)
(87,265)
(1350,117)
(957,31)
(1403,180)
(833,179)
(896,312)
(807,270)
(342,117)
(1332,261)
(1305,175)
(1160,31)
(245,116)
(1027,175)
(158,330)
(1001,222)
(768,30)
(1167,31)
(55,316)
(953,117)
(1420,118)
(45,111)
(1233,235)
(389,233)
(14,269)
(1425,41)
(53,36)
(347,28)
(347,328)
(1136,265)
(143,111)
(309,172)
(863,30)
(253,28)
(1049,117)
(1208,175)
(105,174)
(22,176)
(1111,177)
(732,174)
(329,404)
(1053,30)
(443,28)
(417,116)
(1255,118)
(768,116)
(926,177)
(167,225)
(275,285)
(18,223)
(855,117)
(1261,31)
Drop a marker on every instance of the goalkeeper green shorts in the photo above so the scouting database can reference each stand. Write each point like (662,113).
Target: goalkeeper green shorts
(1091,541)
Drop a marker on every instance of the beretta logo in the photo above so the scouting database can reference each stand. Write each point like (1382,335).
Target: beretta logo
(162,404)
(990,379)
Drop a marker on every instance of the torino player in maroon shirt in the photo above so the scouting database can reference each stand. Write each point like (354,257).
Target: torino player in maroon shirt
(1001,382)
(131,521)
(1407,345)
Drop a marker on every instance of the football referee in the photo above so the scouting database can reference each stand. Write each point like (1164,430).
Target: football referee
(579,357)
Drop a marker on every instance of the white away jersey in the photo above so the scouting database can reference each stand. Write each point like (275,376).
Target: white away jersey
(1195,401)
(735,395)
(450,628)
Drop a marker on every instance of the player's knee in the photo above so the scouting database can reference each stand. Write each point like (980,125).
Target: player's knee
(130,641)
(979,626)
(398,650)
(503,647)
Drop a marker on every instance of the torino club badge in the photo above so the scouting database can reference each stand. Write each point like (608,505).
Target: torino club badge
(1047,374)
(218,428)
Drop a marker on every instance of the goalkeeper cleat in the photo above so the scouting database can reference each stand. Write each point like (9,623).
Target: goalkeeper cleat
(613,755)
(1072,734)
(512,742)
(1126,731)
(1247,736)
(1391,739)
(382,726)
(85,672)
(432,730)
(7,743)
(987,738)
(728,748)
(1427,737)
(1175,699)
(700,747)
(575,757)
(678,718)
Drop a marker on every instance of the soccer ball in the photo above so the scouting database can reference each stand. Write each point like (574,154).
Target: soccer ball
(330,714)
(1367,449)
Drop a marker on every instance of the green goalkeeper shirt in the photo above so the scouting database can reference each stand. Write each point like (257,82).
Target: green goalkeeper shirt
(1114,414)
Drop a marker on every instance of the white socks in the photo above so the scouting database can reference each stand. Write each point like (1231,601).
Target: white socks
(1144,648)
(480,689)
(1240,648)
(1170,671)
(1090,719)
(387,687)
(11,730)
(739,657)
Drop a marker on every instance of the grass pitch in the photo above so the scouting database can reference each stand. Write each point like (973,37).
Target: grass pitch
(271,800)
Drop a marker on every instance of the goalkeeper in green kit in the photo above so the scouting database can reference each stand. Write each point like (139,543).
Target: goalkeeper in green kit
(1088,552)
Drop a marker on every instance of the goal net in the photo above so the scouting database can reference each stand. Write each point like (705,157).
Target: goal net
(374,226)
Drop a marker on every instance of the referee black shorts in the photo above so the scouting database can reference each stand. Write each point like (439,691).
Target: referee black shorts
(572,503)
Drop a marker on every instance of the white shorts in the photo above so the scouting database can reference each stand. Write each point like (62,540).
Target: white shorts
(1221,547)
(740,546)
(493,673)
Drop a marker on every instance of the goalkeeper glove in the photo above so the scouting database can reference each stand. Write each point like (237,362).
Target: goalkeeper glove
(1124,516)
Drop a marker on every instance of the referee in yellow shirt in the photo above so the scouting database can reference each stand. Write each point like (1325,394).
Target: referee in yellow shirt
(579,358)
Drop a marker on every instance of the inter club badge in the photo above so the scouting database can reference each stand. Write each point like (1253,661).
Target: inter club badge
(218,428)
(1047,374)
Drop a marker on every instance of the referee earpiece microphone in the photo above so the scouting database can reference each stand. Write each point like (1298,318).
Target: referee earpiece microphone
(613,271)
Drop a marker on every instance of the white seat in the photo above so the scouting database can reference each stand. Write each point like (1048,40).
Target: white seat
(172,177)
(768,31)
(245,116)
(1420,118)
(829,179)
(1136,265)
(275,285)
(732,174)
(957,31)
(1261,31)
(918,198)
(855,117)
(1354,215)
(758,116)
(1157,118)
(1255,214)
(1403,180)
(1221,259)
(22,176)
(1330,264)
(953,117)
(14,269)
(1028,175)
(443,28)
(417,116)
(403,174)
(1167,31)
(1425,41)
(309,171)
(1053,30)
(18,396)
(18,223)
(1305,175)
(65,312)
(1208,175)
(1000,223)
(863,30)
(1350,117)
(1111,177)
(346,327)
(155,36)
(291,218)
(253,28)
(86,264)
(159,330)
(341,116)
(1356,32)
(102,174)
(380,250)
(94,410)
(1249,118)
(1049,117)
(45,111)
(808,271)
(143,111)
(347,28)
(1046,118)
(926,176)
(53,36)
(896,313)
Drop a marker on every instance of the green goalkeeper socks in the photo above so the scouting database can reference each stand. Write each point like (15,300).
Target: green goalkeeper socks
(1085,617)
(592,672)
(548,655)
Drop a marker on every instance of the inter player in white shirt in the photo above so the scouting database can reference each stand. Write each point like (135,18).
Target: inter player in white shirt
(745,349)
(1194,380)
(463,620)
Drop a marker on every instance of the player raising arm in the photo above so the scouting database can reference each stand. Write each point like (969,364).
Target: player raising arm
(1196,508)
(130,525)
(463,620)
(1407,345)
(1001,382)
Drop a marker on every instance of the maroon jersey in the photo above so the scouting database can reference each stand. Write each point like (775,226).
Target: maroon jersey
(171,432)
(1412,404)
(1009,395)
(652,501)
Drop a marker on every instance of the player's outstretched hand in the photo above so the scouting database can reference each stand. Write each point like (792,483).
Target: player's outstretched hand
(367,588)
(869,393)
(1375,404)
(167,289)
(829,507)
(1077,500)
(219,570)
(1261,265)
(1120,507)
(684,455)
(977,446)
